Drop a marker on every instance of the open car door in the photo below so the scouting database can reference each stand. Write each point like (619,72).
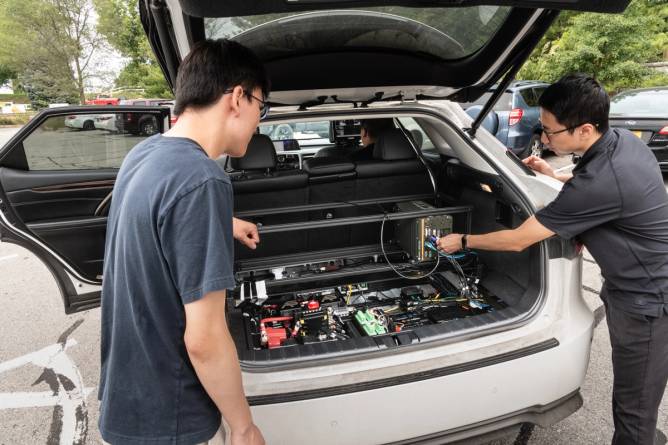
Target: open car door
(56,180)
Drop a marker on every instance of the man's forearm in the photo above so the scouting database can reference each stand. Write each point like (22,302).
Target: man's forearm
(563,177)
(503,240)
(218,369)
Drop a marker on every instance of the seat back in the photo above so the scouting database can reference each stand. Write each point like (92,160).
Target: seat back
(258,185)
(395,169)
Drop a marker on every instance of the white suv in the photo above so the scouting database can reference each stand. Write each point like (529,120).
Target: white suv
(350,328)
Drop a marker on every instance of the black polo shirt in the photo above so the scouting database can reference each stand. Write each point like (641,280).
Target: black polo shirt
(616,204)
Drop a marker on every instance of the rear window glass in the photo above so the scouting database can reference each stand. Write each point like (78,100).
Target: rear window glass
(417,133)
(505,102)
(448,33)
(306,133)
(531,96)
(641,103)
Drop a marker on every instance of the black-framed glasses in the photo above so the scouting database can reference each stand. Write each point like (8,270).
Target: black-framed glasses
(264,105)
(549,134)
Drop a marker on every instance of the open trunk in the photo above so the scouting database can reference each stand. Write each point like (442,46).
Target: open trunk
(322,284)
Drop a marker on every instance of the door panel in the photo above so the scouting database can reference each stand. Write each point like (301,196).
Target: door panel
(39,196)
(56,181)
(85,250)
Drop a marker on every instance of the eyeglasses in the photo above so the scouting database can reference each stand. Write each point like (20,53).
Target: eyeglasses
(264,105)
(549,134)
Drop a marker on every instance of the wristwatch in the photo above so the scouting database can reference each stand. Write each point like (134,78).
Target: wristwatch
(464,241)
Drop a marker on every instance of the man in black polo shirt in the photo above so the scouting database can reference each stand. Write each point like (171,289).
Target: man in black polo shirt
(616,204)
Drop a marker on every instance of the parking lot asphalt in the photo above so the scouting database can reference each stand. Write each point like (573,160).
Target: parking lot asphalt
(49,362)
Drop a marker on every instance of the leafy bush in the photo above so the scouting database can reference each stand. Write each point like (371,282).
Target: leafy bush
(15,119)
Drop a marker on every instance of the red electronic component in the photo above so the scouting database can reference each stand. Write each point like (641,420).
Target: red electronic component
(313,304)
(273,337)
(276,336)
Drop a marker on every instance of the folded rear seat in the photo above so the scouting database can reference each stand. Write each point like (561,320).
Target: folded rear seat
(394,171)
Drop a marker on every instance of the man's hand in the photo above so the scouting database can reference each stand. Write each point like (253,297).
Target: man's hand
(450,243)
(250,436)
(245,232)
(540,165)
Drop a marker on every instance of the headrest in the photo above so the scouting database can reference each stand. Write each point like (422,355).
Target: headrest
(261,155)
(392,145)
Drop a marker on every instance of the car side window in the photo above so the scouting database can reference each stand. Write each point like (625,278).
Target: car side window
(531,96)
(87,141)
(419,136)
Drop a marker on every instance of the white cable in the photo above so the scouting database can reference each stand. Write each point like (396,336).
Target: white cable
(382,247)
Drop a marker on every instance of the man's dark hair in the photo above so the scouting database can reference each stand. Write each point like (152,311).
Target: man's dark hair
(374,127)
(214,66)
(577,99)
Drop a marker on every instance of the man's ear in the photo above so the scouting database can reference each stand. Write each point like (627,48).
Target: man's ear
(588,130)
(236,97)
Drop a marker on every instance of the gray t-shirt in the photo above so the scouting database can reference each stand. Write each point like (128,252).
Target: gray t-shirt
(169,242)
(616,204)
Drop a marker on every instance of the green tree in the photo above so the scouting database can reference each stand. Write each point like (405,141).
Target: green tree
(49,44)
(6,73)
(614,48)
(119,22)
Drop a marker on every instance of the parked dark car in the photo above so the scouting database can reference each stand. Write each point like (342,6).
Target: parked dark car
(140,123)
(645,113)
(514,120)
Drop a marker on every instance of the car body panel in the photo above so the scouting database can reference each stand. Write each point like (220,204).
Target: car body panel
(644,112)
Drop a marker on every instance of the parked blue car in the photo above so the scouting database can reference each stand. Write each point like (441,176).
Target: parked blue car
(514,119)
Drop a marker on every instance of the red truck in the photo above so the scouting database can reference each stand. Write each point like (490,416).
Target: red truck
(103,100)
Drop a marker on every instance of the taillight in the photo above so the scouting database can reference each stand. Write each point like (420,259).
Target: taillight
(661,136)
(515,116)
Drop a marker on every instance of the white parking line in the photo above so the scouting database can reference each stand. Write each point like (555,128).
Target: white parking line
(8,257)
(67,390)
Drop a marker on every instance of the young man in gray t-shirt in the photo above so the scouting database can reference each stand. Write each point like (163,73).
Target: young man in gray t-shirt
(169,365)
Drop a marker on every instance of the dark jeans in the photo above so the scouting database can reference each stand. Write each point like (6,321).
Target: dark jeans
(640,367)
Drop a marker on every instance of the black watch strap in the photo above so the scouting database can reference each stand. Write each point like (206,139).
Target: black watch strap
(464,241)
